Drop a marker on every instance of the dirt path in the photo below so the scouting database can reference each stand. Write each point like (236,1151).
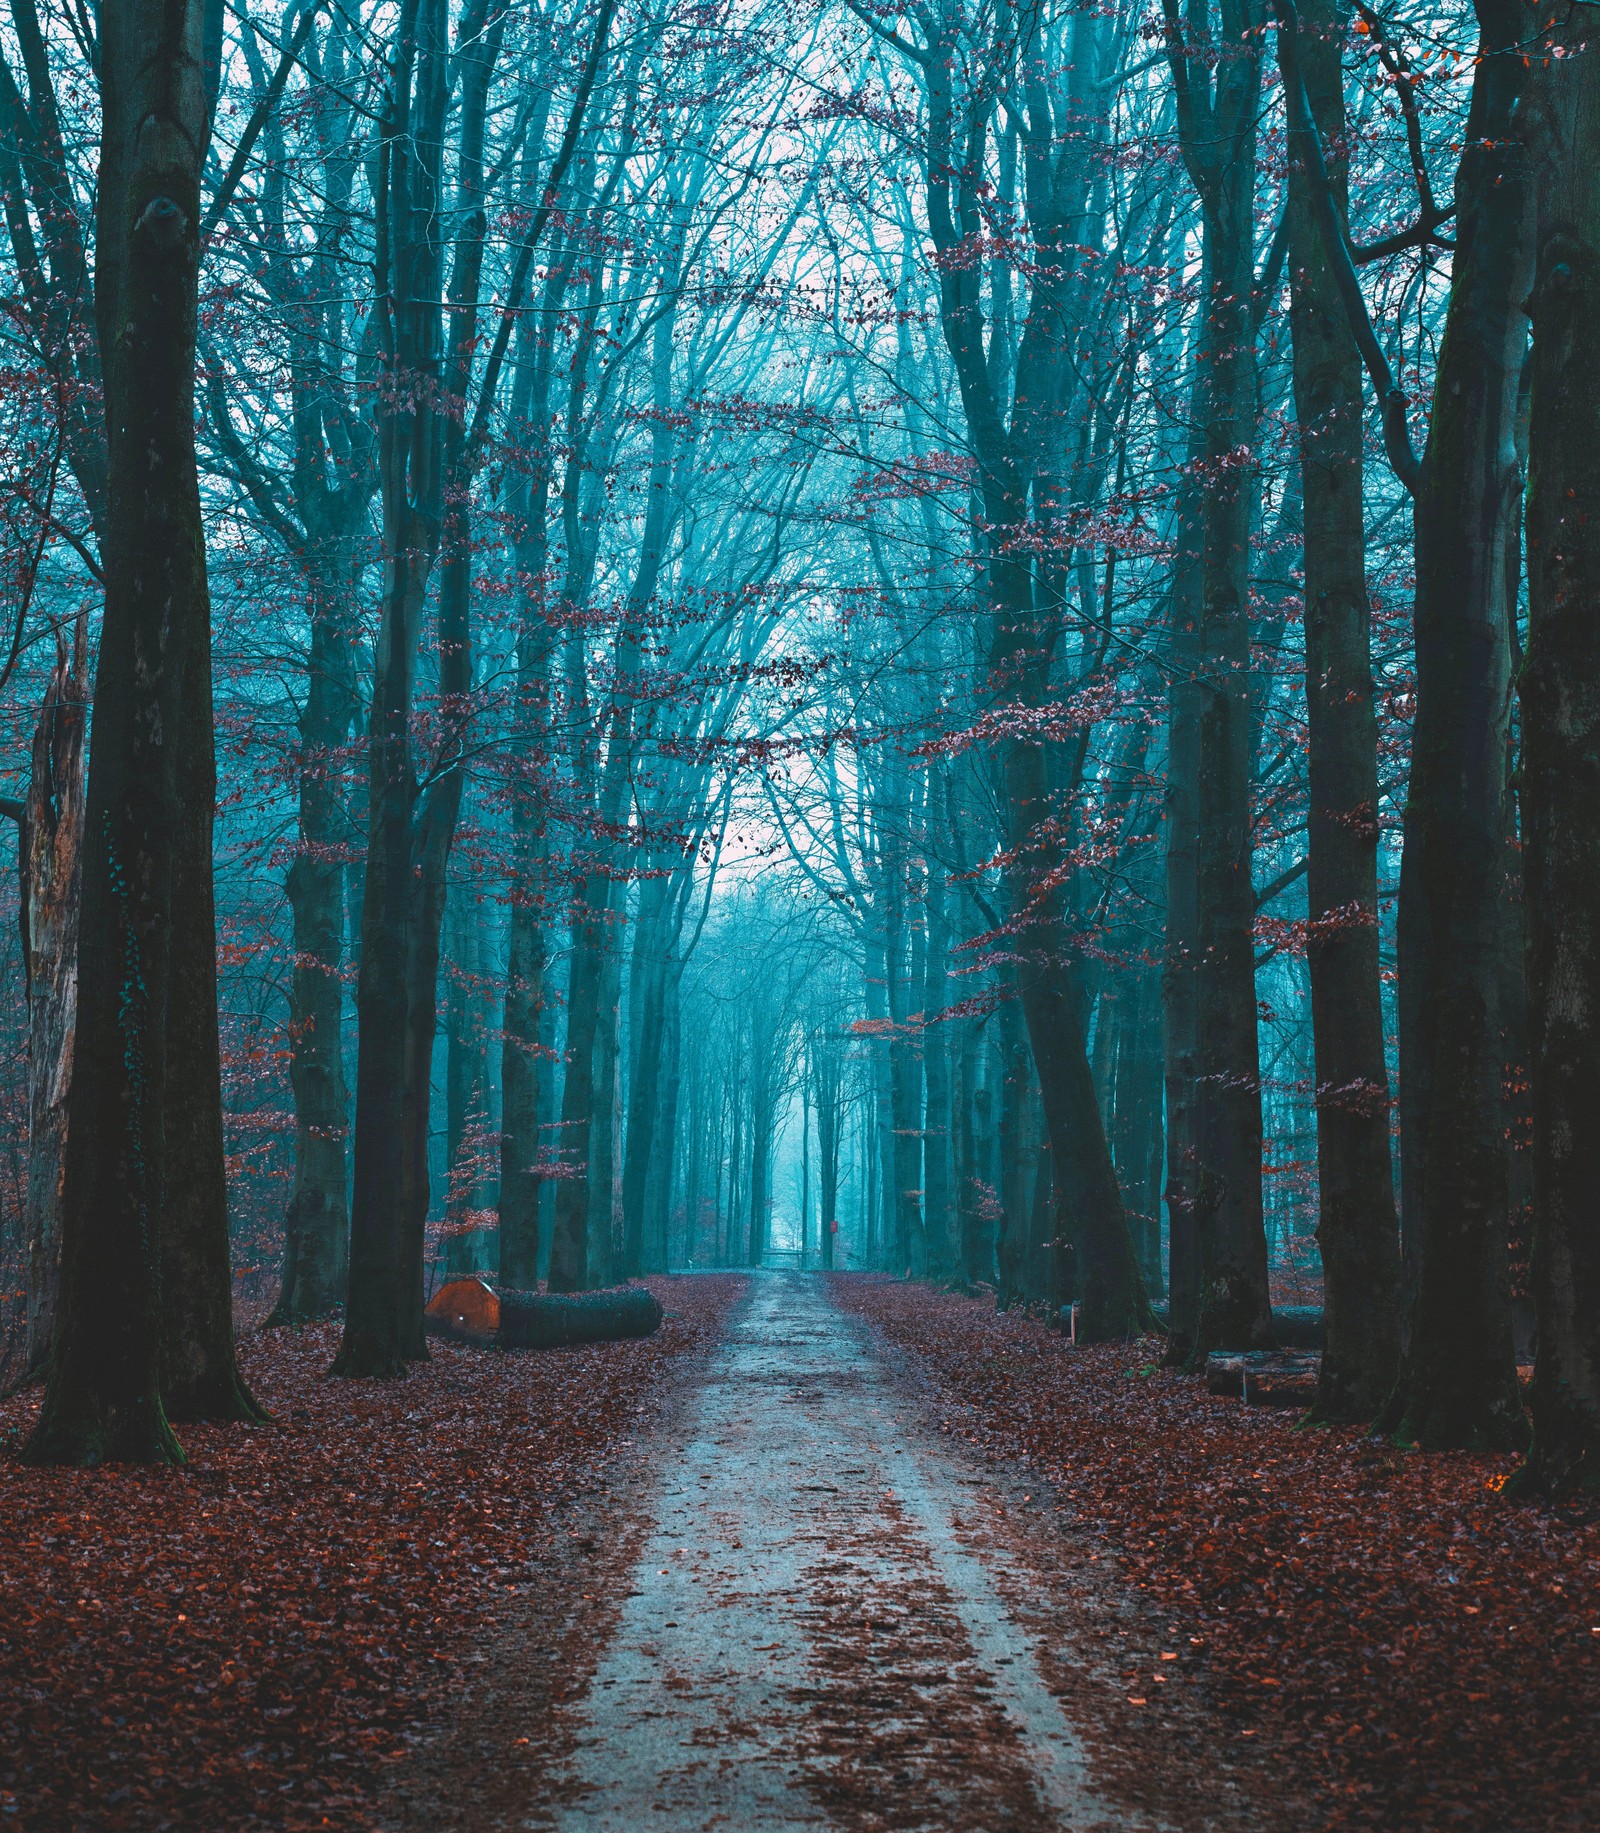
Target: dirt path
(814,1633)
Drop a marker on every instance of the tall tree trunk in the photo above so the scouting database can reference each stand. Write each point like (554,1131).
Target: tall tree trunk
(1217,134)
(466,1083)
(904,1167)
(50,841)
(1016,1086)
(943,1247)
(658,1233)
(1560,690)
(146,881)
(393,1065)
(199,1371)
(569,1248)
(829,1127)
(879,1049)
(317,1225)
(605,1134)
(760,1169)
(1011,463)
(1458,1385)
(1358,1230)
(426,463)
(1179,985)
(524,1066)
(974,1110)
(1136,1135)
(647,1021)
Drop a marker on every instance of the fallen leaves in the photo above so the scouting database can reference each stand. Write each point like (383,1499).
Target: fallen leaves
(255,1640)
(1407,1649)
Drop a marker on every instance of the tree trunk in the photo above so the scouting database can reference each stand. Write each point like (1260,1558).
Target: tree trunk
(426,461)
(1179,985)
(1357,1231)
(658,1195)
(1560,690)
(943,1245)
(524,1066)
(524,1072)
(1136,1135)
(829,1124)
(390,1188)
(974,1109)
(317,1225)
(605,1134)
(760,1171)
(199,1370)
(647,1020)
(50,841)
(146,882)
(905,1245)
(1233,1310)
(1016,1083)
(1458,1385)
(466,1084)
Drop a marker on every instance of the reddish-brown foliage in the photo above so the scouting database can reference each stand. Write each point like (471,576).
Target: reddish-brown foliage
(1405,1649)
(246,1642)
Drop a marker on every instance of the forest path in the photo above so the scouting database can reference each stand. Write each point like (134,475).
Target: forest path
(813,1634)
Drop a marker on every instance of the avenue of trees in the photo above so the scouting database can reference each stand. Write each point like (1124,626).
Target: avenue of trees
(975,627)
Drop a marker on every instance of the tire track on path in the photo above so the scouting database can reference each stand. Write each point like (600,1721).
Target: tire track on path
(810,1638)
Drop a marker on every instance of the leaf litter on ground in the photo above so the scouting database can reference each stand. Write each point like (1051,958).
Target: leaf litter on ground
(255,1640)
(1406,1649)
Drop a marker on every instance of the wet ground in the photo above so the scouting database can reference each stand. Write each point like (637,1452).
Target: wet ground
(814,1631)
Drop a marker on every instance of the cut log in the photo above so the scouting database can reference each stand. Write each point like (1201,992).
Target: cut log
(464,1308)
(533,1320)
(1264,1377)
(471,1311)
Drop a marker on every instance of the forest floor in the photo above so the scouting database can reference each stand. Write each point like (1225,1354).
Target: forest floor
(271,1637)
(843,1553)
(1364,1638)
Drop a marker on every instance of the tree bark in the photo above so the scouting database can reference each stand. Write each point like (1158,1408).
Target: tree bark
(1560,691)
(426,462)
(50,841)
(390,1189)
(1458,1386)
(938,1177)
(467,1115)
(647,1014)
(317,1224)
(146,882)
(1218,136)
(1358,1230)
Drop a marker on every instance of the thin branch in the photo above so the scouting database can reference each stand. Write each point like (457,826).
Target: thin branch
(259,116)
(519,279)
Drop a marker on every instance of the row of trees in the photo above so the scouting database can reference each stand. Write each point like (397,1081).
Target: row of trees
(958,566)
